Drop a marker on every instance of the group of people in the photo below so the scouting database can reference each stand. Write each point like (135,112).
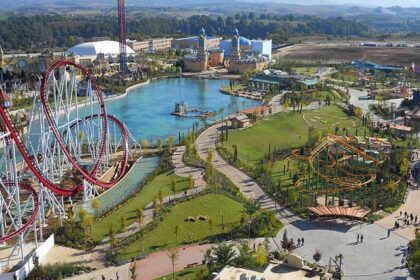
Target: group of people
(408,219)
(360,238)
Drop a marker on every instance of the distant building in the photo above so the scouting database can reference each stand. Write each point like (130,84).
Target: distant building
(271,78)
(139,46)
(154,44)
(240,121)
(198,62)
(212,42)
(247,47)
(92,49)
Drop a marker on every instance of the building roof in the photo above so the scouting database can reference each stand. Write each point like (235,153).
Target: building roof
(256,110)
(308,82)
(94,48)
(241,118)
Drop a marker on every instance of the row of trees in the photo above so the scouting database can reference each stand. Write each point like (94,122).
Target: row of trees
(39,31)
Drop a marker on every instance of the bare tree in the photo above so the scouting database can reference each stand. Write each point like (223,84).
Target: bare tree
(173,254)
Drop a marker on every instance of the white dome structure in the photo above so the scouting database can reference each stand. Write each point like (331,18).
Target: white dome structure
(94,48)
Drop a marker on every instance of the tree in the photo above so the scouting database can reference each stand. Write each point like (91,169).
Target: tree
(96,204)
(285,240)
(220,256)
(210,221)
(210,157)
(112,235)
(173,185)
(404,167)
(170,142)
(176,231)
(89,223)
(155,206)
(317,256)
(261,257)
(160,196)
(190,181)
(159,143)
(246,257)
(123,222)
(82,216)
(145,145)
(173,254)
(139,216)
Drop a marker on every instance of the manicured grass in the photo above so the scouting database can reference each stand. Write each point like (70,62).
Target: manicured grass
(209,205)
(186,274)
(235,87)
(161,182)
(287,129)
(306,70)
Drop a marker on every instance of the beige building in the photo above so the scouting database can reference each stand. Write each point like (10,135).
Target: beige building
(241,66)
(192,43)
(216,58)
(156,44)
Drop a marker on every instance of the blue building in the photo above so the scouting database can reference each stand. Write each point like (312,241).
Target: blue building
(251,47)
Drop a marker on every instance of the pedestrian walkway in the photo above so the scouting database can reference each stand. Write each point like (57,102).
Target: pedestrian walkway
(411,207)
(250,189)
(378,257)
(159,264)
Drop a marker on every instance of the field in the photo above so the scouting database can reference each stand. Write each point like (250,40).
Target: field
(188,232)
(306,70)
(324,53)
(145,196)
(287,129)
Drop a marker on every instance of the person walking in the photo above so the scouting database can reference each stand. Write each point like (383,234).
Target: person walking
(361,238)
(302,240)
(415,219)
(298,241)
(358,236)
(389,232)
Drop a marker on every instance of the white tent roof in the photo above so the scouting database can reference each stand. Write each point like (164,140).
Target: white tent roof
(94,48)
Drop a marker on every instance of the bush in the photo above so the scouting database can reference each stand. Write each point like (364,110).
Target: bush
(58,271)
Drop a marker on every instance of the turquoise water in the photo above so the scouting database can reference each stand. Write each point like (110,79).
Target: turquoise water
(124,188)
(146,109)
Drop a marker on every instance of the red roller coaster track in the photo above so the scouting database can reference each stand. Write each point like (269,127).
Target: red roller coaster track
(87,175)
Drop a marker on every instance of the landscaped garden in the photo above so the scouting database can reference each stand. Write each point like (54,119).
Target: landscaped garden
(160,186)
(189,222)
(414,258)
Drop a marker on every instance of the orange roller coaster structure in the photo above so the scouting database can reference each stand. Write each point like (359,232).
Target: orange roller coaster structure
(337,165)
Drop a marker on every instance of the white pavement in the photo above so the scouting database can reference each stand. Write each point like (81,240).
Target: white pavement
(377,258)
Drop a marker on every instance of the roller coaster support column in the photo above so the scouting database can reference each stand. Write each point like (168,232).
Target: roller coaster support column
(13,173)
(372,196)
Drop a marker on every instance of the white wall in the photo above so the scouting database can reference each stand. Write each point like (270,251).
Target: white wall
(41,252)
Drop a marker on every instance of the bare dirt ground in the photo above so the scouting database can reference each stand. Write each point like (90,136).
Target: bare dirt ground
(335,53)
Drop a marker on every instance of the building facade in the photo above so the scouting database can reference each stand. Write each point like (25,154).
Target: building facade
(198,62)
(192,43)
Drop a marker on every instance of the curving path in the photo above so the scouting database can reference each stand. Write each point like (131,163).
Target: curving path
(246,184)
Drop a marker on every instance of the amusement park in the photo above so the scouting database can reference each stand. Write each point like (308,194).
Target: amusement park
(206,157)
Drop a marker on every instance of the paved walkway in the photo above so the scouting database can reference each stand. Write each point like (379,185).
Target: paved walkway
(246,184)
(158,264)
(377,258)
(184,170)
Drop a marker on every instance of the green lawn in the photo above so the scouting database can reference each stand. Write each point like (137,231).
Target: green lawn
(306,70)
(186,274)
(235,87)
(189,232)
(287,129)
(145,196)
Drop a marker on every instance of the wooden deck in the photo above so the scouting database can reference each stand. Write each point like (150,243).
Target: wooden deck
(339,211)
